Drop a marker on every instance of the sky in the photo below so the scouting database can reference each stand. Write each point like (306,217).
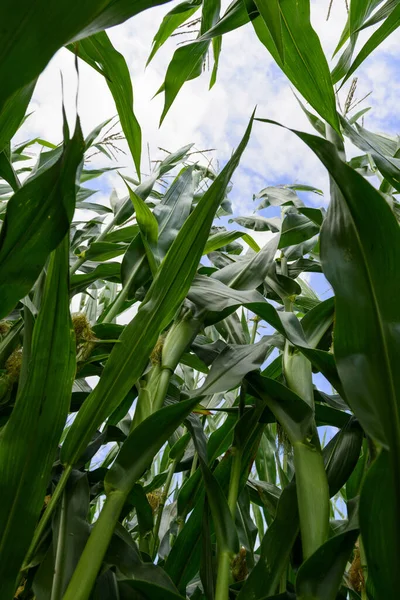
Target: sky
(216,119)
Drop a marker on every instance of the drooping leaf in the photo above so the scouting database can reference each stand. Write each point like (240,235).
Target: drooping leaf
(21,63)
(98,50)
(321,575)
(172,20)
(390,25)
(381,149)
(366,317)
(232,364)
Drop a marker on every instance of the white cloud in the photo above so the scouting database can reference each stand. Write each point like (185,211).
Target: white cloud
(216,118)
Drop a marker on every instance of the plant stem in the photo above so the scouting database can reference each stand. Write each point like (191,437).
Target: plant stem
(47,515)
(312,484)
(256,321)
(234,480)
(288,305)
(162,388)
(223,576)
(84,577)
(224,558)
(29,323)
(59,562)
(364,567)
(312,495)
(163,500)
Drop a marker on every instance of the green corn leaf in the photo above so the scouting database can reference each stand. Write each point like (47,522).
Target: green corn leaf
(321,575)
(296,228)
(133,459)
(381,149)
(29,441)
(24,25)
(174,209)
(135,269)
(249,273)
(383,12)
(232,364)
(187,62)
(390,25)
(106,271)
(341,455)
(148,227)
(317,321)
(366,314)
(183,560)
(270,13)
(148,590)
(147,222)
(290,410)
(100,251)
(128,358)
(7,171)
(275,549)
(144,189)
(124,234)
(360,10)
(13,112)
(172,20)
(37,218)
(305,63)
(378,515)
(97,50)
(220,239)
(258,223)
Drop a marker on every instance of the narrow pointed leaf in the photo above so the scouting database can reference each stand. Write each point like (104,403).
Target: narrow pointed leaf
(128,358)
(37,218)
(99,50)
(391,23)
(271,15)
(29,441)
(321,575)
(172,20)
(305,63)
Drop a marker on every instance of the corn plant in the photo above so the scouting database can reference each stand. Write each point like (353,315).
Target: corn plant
(239,437)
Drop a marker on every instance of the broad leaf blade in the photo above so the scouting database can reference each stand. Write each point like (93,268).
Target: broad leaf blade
(55,26)
(305,63)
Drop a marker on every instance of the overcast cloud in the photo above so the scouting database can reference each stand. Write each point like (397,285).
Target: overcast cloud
(217,118)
